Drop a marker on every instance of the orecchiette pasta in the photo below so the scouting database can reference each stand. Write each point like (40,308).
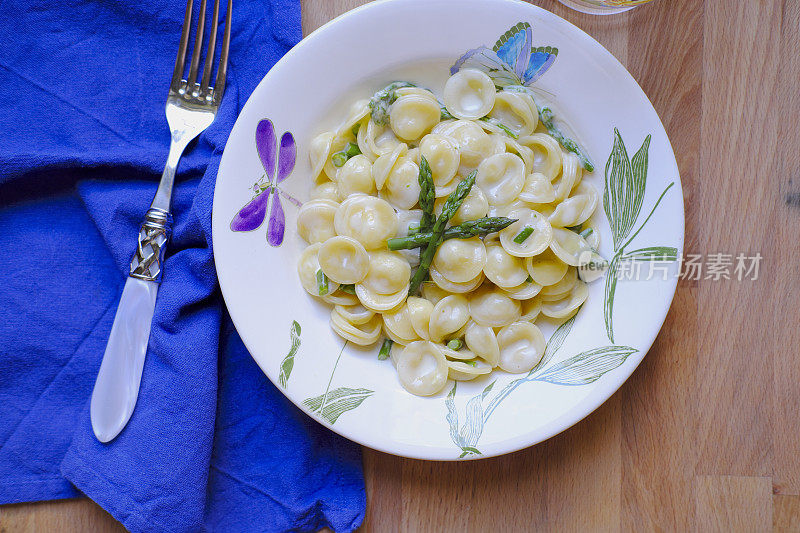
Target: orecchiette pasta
(355,314)
(492,307)
(384,163)
(307,268)
(483,343)
(546,268)
(460,260)
(419,313)
(501,177)
(413,115)
(344,260)
(524,291)
(369,220)
(570,247)
(377,140)
(521,347)
(504,269)
(398,325)
(569,178)
(463,371)
(387,273)
(568,305)
(433,292)
(455,287)
(469,94)
(369,234)
(448,316)
(327,190)
(561,288)
(362,334)
(537,189)
(515,112)
(402,186)
(422,368)
(318,151)
(442,156)
(546,154)
(538,238)
(315,220)
(576,209)
(355,176)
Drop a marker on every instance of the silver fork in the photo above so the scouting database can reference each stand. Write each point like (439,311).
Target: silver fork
(191,108)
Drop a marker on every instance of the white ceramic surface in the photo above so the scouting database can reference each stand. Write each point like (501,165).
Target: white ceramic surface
(349,389)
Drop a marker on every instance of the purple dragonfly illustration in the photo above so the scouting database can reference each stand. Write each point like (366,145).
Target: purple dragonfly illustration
(277,169)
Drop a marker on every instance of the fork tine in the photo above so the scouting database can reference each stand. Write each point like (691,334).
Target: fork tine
(198,43)
(212,41)
(219,83)
(180,61)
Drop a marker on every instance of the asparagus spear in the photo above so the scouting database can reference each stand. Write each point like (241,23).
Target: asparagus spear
(465,230)
(546,116)
(386,347)
(451,205)
(427,195)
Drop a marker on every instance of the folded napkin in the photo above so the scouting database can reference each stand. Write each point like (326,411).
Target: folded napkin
(212,445)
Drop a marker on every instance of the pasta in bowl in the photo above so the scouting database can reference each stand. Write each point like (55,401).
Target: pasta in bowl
(422,260)
(406,172)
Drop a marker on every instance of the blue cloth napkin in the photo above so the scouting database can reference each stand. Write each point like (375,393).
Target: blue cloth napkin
(212,445)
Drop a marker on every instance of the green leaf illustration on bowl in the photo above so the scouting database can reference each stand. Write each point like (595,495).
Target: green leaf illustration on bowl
(288,362)
(623,196)
(332,404)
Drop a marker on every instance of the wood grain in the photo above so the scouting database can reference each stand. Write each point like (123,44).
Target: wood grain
(733,503)
(65,516)
(704,436)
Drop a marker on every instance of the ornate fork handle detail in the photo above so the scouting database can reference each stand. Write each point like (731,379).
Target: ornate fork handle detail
(153,236)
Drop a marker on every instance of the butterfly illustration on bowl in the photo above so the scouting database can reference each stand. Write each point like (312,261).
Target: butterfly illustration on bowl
(512,60)
(278,161)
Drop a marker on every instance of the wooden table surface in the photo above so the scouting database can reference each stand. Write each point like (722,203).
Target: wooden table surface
(706,433)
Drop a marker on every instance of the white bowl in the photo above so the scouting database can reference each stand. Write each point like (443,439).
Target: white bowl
(418,40)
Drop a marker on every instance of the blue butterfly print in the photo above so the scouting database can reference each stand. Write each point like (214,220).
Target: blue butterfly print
(513,60)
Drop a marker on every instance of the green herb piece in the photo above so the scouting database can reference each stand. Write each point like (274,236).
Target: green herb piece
(455,344)
(349,289)
(586,233)
(386,347)
(413,228)
(351,150)
(322,283)
(465,230)
(529,279)
(381,100)
(445,114)
(523,235)
(340,158)
(451,205)
(355,129)
(471,363)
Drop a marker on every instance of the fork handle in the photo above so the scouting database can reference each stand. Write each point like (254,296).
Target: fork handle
(154,233)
